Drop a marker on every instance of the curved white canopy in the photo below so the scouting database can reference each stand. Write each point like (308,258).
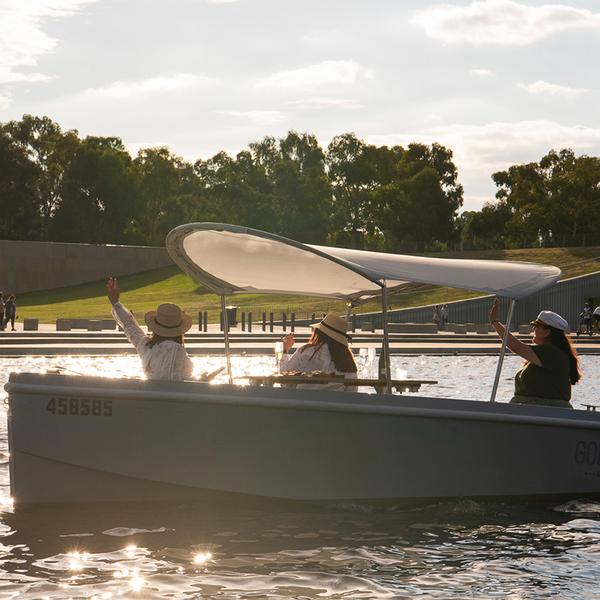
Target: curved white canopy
(231,259)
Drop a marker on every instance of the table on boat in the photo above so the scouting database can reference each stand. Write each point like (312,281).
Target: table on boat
(400,385)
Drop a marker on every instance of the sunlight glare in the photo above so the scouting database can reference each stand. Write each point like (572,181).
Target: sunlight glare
(202,558)
(136,583)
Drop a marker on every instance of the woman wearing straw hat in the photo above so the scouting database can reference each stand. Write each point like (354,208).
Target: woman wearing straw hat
(551,366)
(163,355)
(327,349)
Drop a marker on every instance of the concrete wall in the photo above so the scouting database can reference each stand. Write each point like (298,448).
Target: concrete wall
(566,298)
(30,266)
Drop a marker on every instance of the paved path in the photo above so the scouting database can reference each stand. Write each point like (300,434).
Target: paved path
(47,341)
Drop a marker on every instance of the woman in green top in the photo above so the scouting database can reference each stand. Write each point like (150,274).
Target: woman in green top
(551,366)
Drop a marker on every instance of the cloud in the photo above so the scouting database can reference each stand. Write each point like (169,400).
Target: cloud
(324,73)
(552,89)
(480,150)
(324,104)
(502,22)
(132,90)
(22,41)
(480,72)
(432,118)
(258,117)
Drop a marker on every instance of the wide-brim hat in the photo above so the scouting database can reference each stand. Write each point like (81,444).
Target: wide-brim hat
(335,327)
(551,319)
(168,320)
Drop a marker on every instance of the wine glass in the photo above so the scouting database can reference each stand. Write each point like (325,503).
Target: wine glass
(371,356)
(362,353)
(278,354)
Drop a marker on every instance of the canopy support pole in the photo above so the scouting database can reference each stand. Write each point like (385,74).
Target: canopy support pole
(503,350)
(386,339)
(226,337)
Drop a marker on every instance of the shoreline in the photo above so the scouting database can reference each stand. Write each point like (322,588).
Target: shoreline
(47,342)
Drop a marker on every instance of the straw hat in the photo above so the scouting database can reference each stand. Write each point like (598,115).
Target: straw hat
(168,320)
(335,327)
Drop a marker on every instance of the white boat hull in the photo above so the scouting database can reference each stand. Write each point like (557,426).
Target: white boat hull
(78,439)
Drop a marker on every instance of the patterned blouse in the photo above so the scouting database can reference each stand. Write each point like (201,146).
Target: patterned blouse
(167,360)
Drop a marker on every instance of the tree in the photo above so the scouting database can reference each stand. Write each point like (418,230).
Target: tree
(301,194)
(18,200)
(160,182)
(357,171)
(51,151)
(99,198)
(551,202)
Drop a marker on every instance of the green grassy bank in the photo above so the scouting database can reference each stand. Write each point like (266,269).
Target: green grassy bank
(143,291)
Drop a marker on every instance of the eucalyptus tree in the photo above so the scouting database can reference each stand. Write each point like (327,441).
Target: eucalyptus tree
(161,178)
(301,196)
(51,151)
(99,197)
(18,192)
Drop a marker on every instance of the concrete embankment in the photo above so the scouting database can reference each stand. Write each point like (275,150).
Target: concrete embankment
(48,342)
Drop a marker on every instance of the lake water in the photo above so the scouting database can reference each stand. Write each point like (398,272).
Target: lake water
(445,549)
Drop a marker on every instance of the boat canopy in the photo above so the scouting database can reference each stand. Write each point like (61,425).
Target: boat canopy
(231,259)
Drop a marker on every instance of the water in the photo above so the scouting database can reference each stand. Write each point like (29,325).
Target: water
(445,549)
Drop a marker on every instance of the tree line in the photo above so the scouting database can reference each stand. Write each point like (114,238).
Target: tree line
(58,186)
(549,203)
(55,185)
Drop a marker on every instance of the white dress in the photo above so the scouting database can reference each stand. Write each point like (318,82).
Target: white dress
(306,359)
(167,360)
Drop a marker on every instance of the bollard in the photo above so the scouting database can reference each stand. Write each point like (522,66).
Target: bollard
(199,321)
(249,322)
(205,321)
(293,323)
(30,324)
(264,321)
(353,323)
(221,320)
(284,321)
(243,321)
(271,322)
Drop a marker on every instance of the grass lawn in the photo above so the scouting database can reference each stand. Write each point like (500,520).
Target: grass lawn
(143,291)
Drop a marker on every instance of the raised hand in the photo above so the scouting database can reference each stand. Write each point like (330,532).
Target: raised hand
(112,290)
(494,310)
(288,341)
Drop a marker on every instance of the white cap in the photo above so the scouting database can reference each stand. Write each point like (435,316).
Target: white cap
(551,319)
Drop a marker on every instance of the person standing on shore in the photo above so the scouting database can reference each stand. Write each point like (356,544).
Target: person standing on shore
(436,314)
(444,316)
(162,354)
(596,318)
(551,364)
(10,311)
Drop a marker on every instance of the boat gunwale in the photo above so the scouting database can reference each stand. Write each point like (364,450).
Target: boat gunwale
(340,402)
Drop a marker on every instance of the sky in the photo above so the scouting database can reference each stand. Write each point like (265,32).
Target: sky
(499,82)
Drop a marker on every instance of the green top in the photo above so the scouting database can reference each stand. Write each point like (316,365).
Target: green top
(551,380)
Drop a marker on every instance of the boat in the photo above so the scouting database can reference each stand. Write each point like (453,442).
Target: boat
(90,439)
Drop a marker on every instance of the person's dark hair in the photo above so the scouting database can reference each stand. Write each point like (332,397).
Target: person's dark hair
(561,341)
(340,353)
(157,339)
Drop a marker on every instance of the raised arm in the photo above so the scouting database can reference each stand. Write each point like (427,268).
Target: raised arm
(514,345)
(132,330)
